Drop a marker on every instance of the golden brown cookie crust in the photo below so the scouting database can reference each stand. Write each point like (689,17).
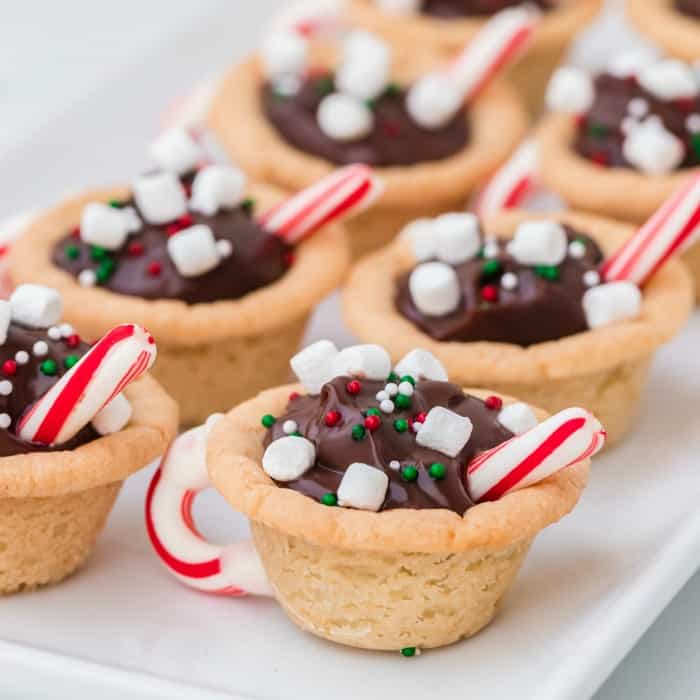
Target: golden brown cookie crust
(677,34)
(498,122)
(620,193)
(103,461)
(369,310)
(320,264)
(234,453)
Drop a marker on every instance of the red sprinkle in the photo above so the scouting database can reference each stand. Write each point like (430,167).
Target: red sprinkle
(135,248)
(489,292)
(372,423)
(185,220)
(172,229)
(154,269)
(72,341)
(332,418)
(420,417)
(75,233)
(9,368)
(294,396)
(353,387)
(493,403)
(600,158)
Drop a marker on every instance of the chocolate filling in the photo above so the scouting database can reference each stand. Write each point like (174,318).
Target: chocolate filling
(143,268)
(689,7)
(32,380)
(451,9)
(545,304)
(600,137)
(395,140)
(336,448)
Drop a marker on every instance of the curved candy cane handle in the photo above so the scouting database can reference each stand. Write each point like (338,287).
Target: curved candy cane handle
(230,570)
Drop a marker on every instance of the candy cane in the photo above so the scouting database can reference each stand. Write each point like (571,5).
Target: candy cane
(559,442)
(233,570)
(502,39)
(116,360)
(512,183)
(340,194)
(672,229)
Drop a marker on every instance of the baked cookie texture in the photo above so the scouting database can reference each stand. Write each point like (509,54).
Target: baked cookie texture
(529,75)
(497,124)
(386,580)
(603,370)
(211,355)
(53,505)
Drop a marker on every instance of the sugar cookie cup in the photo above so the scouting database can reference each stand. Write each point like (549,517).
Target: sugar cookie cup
(53,505)
(530,75)
(497,123)
(211,355)
(341,574)
(604,370)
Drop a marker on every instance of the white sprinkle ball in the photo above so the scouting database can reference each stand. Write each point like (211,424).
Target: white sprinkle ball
(21,357)
(387,406)
(66,329)
(289,427)
(40,348)
(692,123)
(491,249)
(225,247)
(395,465)
(638,107)
(591,278)
(5,387)
(5,420)
(577,249)
(382,396)
(87,278)
(54,333)
(391,389)
(509,281)
(406,388)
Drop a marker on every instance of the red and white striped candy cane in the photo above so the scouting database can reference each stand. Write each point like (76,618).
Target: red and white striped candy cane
(502,39)
(340,194)
(674,227)
(564,439)
(114,361)
(233,570)
(512,183)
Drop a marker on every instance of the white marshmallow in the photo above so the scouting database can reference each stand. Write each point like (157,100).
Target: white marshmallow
(344,118)
(176,151)
(651,148)
(457,237)
(160,197)
(669,79)
(539,243)
(363,362)
(114,416)
(420,236)
(631,62)
(194,251)
(284,52)
(365,69)
(217,187)
(313,366)
(570,90)
(421,364)
(398,7)
(36,306)
(434,288)
(445,431)
(288,458)
(103,226)
(5,318)
(518,418)
(359,43)
(363,487)
(433,101)
(611,302)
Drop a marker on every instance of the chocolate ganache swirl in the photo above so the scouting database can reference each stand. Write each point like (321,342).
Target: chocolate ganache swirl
(451,9)
(600,136)
(335,421)
(395,140)
(32,360)
(143,268)
(540,303)
(689,7)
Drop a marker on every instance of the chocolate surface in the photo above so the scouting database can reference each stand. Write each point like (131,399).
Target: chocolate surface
(451,9)
(336,449)
(537,310)
(143,268)
(689,7)
(395,140)
(600,137)
(29,382)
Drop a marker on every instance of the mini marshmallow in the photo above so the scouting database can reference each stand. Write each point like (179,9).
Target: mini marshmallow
(433,101)
(611,302)
(359,43)
(420,236)
(313,366)
(217,187)
(669,79)
(363,487)
(363,362)
(570,91)
(288,458)
(457,237)
(5,318)
(160,197)
(445,431)
(365,69)
(103,226)
(114,416)
(434,288)
(344,118)
(399,7)
(518,418)
(651,148)
(631,62)
(36,306)
(421,364)
(176,151)
(539,243)
(193,250)
(284,52)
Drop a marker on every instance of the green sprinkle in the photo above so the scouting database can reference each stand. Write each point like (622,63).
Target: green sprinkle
(70,360)
(373,412)
(49,367)
(268,420)
(296,433)
(329,499)
(597,130)
(105,270)
(116,203)
(491,268)
(371,104)
(409,473)
(72,252)
(695,142)
(408,378)
(402,401)
(97,253)
(408,652)
(400,425)
(358,432)
(548,272)
(437,471)
(392,90)
(324,86)
(248,205)
(393,377)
